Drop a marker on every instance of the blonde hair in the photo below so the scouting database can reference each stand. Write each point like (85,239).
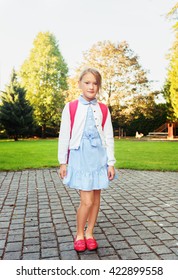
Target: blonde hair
(95,73)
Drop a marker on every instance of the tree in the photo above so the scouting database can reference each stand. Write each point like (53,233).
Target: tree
(16,114)
(173,67)
(147,122)
(44,75)
(143,115)
(73,90)
(167,95)
(123,77)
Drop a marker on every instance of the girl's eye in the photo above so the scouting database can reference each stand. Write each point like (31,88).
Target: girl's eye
(87,83)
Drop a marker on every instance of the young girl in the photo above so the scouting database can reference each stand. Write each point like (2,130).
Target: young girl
(91,158)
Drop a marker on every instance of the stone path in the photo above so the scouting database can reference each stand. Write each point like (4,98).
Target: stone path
(138,217)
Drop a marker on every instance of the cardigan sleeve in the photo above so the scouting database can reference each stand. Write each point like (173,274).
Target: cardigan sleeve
(64,136)
(109,140)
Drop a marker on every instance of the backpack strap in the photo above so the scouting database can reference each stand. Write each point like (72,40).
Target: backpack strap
(104,110)
(72,110)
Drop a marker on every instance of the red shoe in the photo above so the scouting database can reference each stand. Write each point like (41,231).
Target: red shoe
(80,245)
(91,244)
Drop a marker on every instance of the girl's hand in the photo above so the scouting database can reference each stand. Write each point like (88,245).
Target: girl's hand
(63,171)
(111,172)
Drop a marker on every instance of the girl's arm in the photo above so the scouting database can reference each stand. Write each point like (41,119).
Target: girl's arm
(111,172)
(63,170)
(109,139)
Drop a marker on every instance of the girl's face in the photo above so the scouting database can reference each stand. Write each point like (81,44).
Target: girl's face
(89,86)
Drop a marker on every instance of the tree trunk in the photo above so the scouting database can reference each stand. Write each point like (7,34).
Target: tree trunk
(15,137)
(43,131)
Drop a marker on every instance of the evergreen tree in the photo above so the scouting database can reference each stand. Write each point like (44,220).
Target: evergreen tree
(44,75)
(16,114)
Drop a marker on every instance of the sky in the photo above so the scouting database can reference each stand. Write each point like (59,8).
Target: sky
(78,24)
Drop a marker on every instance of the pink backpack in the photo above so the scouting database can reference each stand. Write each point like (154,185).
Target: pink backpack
(73,108)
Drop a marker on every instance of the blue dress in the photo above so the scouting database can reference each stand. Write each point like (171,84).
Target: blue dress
(87,166)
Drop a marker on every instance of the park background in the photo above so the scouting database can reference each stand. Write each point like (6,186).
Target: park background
(44,45)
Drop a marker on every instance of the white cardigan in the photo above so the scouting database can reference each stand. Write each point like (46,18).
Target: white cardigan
(80,117)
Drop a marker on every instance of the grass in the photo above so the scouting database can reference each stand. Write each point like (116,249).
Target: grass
(141,155)
(28,154)
(147,155)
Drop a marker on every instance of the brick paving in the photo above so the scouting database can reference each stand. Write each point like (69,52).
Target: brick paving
(138,217)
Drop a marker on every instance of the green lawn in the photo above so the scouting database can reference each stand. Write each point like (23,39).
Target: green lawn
(147,155)
(142,155)
(28,154)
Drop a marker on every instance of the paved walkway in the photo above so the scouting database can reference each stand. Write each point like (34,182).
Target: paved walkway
(138,217)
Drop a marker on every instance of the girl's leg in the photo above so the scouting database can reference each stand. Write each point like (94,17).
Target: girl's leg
(93,214)
(86,203)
